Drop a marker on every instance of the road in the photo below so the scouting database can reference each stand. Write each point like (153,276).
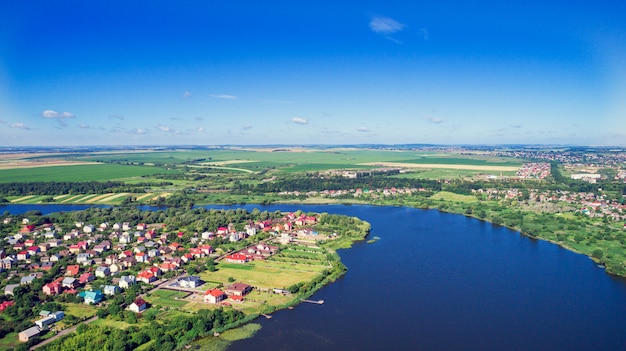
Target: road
(63,333)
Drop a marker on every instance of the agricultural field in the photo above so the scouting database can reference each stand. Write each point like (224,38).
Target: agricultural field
(297,159)
(132,166)
(80,173)
(96,199)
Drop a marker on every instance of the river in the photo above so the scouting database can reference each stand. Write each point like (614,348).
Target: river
(438,281)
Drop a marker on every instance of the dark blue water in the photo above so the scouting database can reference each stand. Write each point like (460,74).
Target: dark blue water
(436,281)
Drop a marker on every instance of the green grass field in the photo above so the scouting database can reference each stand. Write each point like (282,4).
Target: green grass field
(78,173)
(268,274)
(167,298)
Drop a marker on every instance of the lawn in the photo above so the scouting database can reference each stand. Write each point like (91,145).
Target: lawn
(80,310)
(167,298)
(264,274)
(448,196)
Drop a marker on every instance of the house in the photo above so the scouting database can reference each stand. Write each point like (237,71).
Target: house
(237,258)
(168,266)
(214,296)
(115,268)
(69,282)
(5,305)
(138,305)
(92,297)
(33,250)
(72,270)
(126,281)
(52,289)
(207,249)
(27,280)
(192,281)
(238,289)
(86,278)
(103,271)
(8,290)
(7,263)
(23,255)
(111,290)
(29,242)
(74,248)
(29,333)
(141,257)
(103,246)
(146,277)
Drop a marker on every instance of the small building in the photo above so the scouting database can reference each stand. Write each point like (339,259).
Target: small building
(138,305)
(58,315)
(45,322)
(126,281)
(92,297)
(8,290)
(103,271)
(52,289)
(29,333)
(111,290)
(69,283)
(191,281)
(237,258)
(214,296)
(238,289)
(27,280)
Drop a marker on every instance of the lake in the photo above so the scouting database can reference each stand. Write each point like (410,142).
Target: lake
(438,281)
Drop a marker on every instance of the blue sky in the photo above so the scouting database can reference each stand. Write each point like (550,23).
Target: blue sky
(341,72)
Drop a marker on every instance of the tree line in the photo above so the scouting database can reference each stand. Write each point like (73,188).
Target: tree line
(60,188)
(314,182)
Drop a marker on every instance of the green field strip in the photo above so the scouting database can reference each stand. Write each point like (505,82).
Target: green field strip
(22,199)
(71,198)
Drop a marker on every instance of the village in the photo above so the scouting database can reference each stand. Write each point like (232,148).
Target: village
(96,262)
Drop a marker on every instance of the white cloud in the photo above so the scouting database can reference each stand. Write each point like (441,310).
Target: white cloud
(299,120)
(223,96)
(200,129)
(19,126)
(246,127)
(186,94)
(385,25)
(55,114)
(199,118)
(83,126)
(3,121)
(139,131)
(121,118)
(434,120)
(165,129)
(363,129)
